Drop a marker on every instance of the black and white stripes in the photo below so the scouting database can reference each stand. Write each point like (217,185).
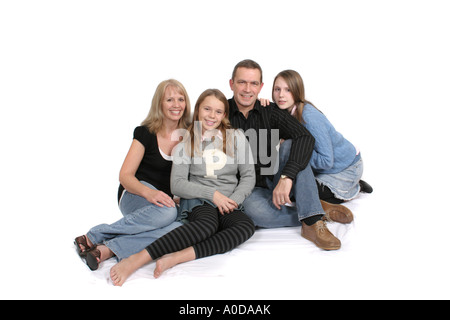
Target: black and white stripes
(266,119)
(207,231)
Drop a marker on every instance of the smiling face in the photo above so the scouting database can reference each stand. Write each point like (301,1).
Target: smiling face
(211,113)
(282,94)
(173,104)
(246,86)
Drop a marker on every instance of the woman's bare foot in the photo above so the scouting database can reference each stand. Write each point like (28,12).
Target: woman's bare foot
(89,243)
(172,259)
(97,255)
(105,253)
(125,268)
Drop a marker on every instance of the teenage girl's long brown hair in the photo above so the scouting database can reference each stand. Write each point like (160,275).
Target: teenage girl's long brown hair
(295,84)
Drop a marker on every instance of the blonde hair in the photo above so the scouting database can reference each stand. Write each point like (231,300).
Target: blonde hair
(297,89)
(154,119)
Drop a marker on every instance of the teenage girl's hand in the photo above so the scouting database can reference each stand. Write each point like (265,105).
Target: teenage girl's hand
(264,102)
(159,198)
(223,203)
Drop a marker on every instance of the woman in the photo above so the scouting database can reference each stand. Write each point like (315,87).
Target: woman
(336,163)
(204,176)
(144,195)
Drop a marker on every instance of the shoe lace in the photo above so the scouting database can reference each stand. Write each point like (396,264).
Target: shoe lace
(327,218)
(322,227)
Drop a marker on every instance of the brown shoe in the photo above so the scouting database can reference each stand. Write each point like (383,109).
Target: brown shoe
(336,212)
(319,234)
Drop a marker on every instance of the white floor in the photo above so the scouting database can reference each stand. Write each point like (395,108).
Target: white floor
(378,260)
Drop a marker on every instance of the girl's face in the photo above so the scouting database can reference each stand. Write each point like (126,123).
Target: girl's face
(211,112)
(173,104)
(282,95)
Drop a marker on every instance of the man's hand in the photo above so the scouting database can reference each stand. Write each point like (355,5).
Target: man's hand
(280,194)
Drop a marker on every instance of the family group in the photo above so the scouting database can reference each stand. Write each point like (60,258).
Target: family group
(196,186)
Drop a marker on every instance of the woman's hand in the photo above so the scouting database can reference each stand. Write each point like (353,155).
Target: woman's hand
(223,203)
(159,198)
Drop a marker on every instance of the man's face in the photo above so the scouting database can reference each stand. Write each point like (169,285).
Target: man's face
(246,86)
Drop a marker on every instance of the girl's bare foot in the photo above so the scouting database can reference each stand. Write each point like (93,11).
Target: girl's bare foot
(125,268)
(172,259)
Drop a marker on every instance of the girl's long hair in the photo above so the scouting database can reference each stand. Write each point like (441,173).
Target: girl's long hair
(195,137)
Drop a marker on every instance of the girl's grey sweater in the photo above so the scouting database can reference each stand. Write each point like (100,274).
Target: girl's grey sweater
(199,177)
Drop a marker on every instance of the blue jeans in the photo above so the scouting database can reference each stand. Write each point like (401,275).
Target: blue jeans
(259,205)
(142,224)
(345,184)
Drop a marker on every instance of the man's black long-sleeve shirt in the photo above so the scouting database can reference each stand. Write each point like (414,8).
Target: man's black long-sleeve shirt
(270,118)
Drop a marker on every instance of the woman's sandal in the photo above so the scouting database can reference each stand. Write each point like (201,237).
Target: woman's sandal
(93,259)
(82,241)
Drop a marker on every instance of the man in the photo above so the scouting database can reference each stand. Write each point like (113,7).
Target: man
(270,204)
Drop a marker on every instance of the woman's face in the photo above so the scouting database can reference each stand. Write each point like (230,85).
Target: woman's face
(173,104)
(211,112)
(282,95)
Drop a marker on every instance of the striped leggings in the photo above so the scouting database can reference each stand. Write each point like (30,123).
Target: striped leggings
(208,232)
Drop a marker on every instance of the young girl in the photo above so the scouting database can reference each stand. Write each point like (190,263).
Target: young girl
(144,195)
(336,163)
(204,176)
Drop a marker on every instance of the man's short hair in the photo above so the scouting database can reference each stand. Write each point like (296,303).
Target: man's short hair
(249,64)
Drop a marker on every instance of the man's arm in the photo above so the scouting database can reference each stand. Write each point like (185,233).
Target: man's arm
(299,157)
(302,141)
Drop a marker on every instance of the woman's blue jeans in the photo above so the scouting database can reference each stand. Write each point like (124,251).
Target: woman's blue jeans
(260,208)
(142,223)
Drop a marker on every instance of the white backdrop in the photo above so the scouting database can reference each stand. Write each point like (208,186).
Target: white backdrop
(76,77)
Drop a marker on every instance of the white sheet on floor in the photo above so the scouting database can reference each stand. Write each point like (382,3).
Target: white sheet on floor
(271,254)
